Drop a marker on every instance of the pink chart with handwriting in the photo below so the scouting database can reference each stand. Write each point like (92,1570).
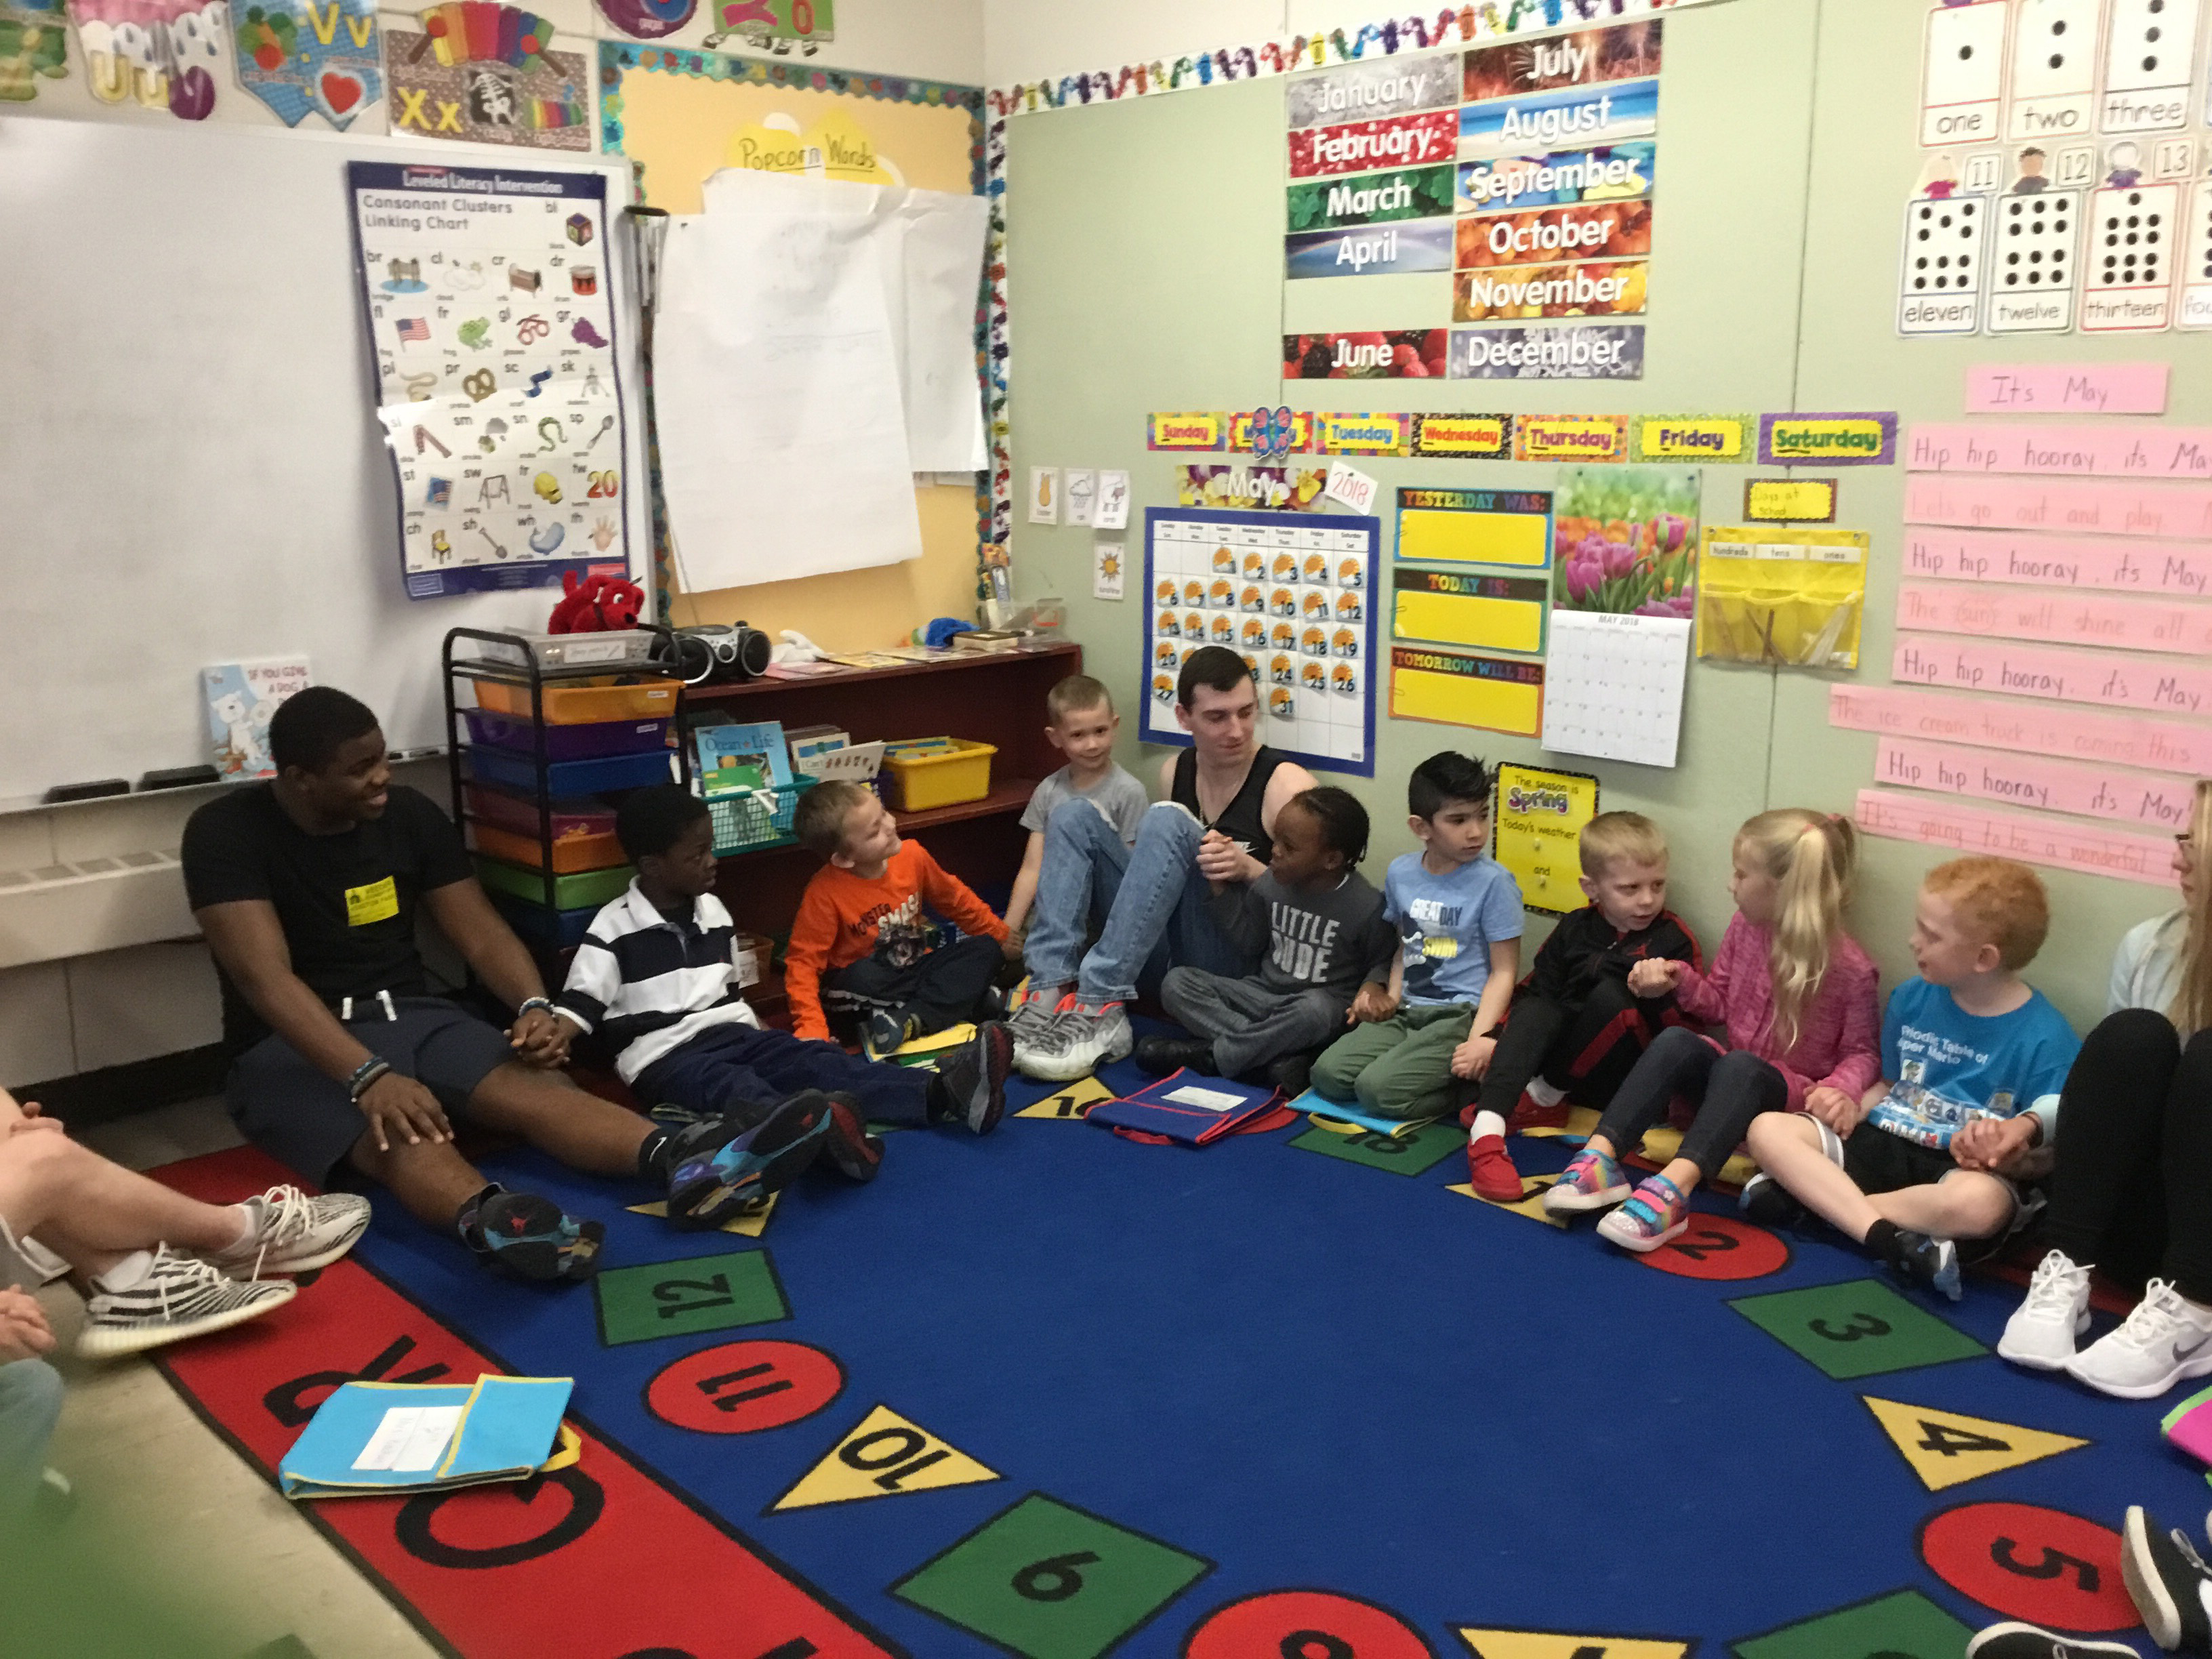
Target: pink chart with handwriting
(2066,389)
(2028,670)
(2027,727)
(2182,568)
(2146,858)
(2062,618)
(2104,451)
(2051,785)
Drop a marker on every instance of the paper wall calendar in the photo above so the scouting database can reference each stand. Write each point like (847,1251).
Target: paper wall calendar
(1613,686)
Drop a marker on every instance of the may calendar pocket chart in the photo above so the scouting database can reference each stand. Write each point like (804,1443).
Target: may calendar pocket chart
(486,294)
(1293,595)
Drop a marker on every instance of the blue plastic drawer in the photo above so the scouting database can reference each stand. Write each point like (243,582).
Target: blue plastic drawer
(567,743)
(546,929)
(578,777)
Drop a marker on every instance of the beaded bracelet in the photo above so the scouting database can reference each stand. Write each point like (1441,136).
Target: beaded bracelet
(366,1073)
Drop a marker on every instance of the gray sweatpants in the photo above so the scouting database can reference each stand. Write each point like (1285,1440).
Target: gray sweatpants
(1249,1024)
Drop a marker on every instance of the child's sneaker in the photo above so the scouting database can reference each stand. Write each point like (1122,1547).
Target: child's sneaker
(177,1297)
(886,1031)
(1769,1203)
(708,1181)
(1933,1262)
(2042,1330)
(2162,1341)
(1655,1212)
(531,1237)
(1083,1036)
(2014,1640)
(2169,1582)
(1530,1112)
(1030,1013)
(288,1232)
(1491,1171)
(973,1077)
(848,1145)
(1591,1183)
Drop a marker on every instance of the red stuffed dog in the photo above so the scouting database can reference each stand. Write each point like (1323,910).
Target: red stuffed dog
(596,604)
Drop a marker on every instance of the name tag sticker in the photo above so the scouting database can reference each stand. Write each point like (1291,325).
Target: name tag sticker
(378,902)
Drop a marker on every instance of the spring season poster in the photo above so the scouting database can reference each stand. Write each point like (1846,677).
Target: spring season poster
(486,297)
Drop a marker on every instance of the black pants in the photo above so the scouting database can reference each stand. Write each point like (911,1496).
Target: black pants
(1589,1051)
(1727,1090)
(2132,1191)
(940,989)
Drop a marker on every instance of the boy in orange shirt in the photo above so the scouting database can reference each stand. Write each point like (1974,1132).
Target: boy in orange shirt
(859,944)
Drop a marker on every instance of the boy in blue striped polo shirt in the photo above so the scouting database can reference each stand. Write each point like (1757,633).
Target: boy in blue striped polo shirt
(655,981)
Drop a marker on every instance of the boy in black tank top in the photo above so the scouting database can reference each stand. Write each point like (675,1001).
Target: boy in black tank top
(1213,832)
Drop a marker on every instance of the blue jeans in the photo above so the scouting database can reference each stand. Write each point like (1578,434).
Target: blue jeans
(1151,898)
(732,1068)
(30,1400)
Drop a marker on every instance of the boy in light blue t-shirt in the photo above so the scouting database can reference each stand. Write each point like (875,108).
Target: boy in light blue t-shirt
(1972,1059)
(1459,920)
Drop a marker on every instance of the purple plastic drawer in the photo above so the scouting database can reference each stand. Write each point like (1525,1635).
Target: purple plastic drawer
(567,743)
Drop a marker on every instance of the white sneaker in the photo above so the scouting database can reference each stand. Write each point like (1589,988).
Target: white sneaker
(1030,1018)
(2043,1328)
(1079,1041)
(180,1297)
(2162,1341)
(292,1233)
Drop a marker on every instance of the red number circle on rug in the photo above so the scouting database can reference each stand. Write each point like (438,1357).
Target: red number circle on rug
(741,1387)
(1304,1624)
(2044,1565)
(1719,1247)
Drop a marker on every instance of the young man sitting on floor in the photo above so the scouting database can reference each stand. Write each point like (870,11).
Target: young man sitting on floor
(656,980)
(309,888)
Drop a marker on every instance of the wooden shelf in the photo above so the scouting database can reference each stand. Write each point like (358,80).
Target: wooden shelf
(952,665)
(1009,796)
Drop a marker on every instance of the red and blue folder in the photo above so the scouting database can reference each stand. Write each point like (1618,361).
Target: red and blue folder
(1195,1119)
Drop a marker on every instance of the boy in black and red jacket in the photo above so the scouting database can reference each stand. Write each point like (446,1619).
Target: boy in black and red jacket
(1575,1030)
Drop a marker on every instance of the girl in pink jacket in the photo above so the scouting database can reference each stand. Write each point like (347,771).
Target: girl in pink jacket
(1795,995)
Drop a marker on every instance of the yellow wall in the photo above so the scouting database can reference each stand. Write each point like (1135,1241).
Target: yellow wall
(678,127)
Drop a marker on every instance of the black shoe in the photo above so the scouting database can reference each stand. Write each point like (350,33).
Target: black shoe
(2169,1582)
(531,1237)
(713,1181)
(888,1030)
(1931,1263)
(1293,1074)
(1162,1054)
(1768,1202)
(2014,1640)
(848,1145)
(974,1077)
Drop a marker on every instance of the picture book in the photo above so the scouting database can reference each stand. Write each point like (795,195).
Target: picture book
(239,698)
(733,758)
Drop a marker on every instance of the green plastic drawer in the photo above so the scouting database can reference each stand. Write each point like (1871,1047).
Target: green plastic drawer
(586,890)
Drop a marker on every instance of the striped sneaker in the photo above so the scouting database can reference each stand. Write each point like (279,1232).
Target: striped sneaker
(289,1232)
(180,1297)
(1591,1183)
(1655,1212)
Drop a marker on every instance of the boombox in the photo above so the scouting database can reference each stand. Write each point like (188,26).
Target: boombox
(717,653)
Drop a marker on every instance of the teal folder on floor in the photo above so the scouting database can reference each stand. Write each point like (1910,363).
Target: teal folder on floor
(376,1438)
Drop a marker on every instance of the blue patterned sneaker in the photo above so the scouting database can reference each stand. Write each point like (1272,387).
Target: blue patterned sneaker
(1591,1183)
(709,1186)
(1655,1212)
(529,1237)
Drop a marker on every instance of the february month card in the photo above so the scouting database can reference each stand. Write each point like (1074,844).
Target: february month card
(1294,594)
(486,297)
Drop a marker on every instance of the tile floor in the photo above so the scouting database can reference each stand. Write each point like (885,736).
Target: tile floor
(156,1486)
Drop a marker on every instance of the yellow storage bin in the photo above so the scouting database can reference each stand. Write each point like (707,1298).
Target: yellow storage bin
(917,783)
(585,704)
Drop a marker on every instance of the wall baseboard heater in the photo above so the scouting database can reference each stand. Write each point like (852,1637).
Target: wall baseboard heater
(62,910)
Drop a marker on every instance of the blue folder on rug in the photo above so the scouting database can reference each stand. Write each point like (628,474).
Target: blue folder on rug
(376,1438)
(1188,1106)
(1317,1106)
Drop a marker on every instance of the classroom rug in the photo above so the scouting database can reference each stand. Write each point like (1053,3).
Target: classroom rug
(1056,1392)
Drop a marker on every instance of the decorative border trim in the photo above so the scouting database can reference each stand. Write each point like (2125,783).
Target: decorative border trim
(617,58)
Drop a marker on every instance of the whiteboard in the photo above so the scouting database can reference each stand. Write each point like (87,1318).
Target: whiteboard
(191,467)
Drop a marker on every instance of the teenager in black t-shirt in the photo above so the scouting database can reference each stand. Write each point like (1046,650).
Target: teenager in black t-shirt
(309,889)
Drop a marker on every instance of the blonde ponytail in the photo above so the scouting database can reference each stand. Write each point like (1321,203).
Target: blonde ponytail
(2192,996)
(1810,858)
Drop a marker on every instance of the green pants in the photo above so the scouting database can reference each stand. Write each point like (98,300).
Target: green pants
(1400,1066)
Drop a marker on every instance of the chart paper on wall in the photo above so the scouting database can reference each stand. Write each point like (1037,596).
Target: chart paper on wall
(1293,595)
(487,300)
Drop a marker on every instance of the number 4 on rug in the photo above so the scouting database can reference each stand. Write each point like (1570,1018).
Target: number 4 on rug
(1947,1448)
(885,1456)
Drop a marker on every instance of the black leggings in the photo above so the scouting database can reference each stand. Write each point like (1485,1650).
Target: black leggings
(1589,1050)
(1729,1091)
(2132,1191)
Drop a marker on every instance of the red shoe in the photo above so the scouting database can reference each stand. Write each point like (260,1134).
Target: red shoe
(1527,1115)
(1491,1171)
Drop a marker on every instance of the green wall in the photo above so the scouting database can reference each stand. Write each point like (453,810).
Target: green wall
(1145,267)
